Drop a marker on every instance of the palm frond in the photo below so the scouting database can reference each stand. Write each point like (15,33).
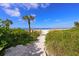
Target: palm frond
(25,18)
(32,17)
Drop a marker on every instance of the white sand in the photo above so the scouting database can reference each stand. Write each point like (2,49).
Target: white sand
(35,49)
(41,40)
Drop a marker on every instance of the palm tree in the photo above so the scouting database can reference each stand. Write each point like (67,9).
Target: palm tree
(29,18)
(7,23)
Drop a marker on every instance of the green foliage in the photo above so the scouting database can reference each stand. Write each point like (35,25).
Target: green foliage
(7,23)
(13,37)
(2,44)
(17,36)
(63,42)
(35,34)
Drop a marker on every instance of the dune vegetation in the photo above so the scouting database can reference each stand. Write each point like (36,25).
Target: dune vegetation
(63,42)
(12,37)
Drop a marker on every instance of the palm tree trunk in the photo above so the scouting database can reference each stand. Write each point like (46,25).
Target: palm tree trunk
(29,25)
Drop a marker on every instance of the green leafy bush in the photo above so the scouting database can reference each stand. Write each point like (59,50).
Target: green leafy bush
(63,42)
(15,37)
(3,44)
(35,34)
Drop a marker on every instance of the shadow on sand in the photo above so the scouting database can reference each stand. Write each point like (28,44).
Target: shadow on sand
(33,51)
(20,50)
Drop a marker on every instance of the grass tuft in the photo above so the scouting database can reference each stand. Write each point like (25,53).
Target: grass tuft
(63,42)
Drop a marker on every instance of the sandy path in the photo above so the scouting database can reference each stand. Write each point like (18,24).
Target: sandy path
(35,49)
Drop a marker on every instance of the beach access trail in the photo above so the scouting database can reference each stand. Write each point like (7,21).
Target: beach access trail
(34,49)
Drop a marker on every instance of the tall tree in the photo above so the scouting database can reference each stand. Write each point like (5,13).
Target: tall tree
(28,18)
(7,23)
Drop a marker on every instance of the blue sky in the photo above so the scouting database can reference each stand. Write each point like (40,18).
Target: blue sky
(47,15)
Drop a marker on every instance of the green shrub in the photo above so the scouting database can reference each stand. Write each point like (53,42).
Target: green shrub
(3,44)
(63,42)
(15,37)
(35,34)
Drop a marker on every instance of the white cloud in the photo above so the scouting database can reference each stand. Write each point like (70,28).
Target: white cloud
(45,5)
(12,12)
(5,5)
(33,15)
(31,5)
(35,5)
(7,8)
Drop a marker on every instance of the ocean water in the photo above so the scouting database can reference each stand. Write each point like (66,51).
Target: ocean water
(47,28)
